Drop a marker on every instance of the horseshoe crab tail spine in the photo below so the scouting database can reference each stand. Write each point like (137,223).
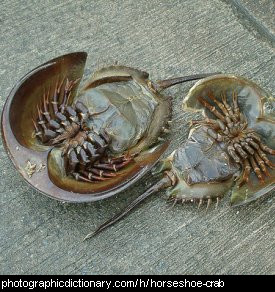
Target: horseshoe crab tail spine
(163,183)
(163,84)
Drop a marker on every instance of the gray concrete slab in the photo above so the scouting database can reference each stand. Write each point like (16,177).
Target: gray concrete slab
(166,38)
(262,11)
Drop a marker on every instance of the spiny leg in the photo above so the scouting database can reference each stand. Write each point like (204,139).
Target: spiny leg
(265,159)
(101,173)
(252,143)
(51,122)
(90,177)
(46,112)
(247,148)
(219,104)
(212,109)
(227,106)
(73,161)
(83,155)
(80,163)
(69,129)
(47,133)
(91,150)
(82,110)
(240,151)
(78,168)
(80,177)
(246,172)
(94,174)
(256,169)
(261,163)
(236,108)
(214,124)
(105,136)
(254,136)
(213,134)
(72,114)
(36,129)
(118,160)
(97,140)
(261,148)
(66,96)
(41,120)
(112,167)
(56,95)
(44,118)
(233,154)
(266,148)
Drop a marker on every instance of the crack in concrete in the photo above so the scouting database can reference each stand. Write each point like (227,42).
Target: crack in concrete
(251,23)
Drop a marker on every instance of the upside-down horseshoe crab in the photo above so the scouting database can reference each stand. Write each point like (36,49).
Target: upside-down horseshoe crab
(232,146)
(88,144)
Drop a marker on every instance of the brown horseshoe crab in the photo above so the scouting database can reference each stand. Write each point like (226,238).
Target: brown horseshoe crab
(232,146)
(88,144)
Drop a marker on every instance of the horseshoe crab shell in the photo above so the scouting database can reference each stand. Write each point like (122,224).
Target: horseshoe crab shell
(258,106)
(41,165)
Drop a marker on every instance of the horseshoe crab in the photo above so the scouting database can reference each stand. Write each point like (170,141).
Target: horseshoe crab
(231,148)
(88,144)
